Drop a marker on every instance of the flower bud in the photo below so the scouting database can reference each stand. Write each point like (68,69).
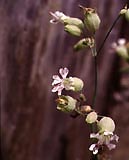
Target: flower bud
(91,117)
(92,20)
(66,103)
(122,51)
(83,43)
(73,30)
(86,109)
(74,21)
(127,15)
(106,124)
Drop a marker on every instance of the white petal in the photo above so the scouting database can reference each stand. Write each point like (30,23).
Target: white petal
(121,41)
(53,21)
(63,72)
(54,15)
(91,148)
(56,80)
(60,90)
(106,133)
(56,77)
(94,135)
(55,89)
(95,151)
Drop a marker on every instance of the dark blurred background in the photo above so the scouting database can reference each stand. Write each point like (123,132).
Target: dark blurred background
(31,51)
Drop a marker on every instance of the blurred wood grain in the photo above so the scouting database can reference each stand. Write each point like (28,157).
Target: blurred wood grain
(31,51)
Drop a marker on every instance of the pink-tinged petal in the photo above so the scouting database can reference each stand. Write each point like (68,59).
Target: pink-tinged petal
(56,77)
(55,89)
(63,72)
(115,138)
(56,80)
(111,146)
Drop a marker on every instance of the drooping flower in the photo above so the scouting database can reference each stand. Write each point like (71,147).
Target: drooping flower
(122,48)
(66,103)
(104,139)
(58,82)
(70,83)
(57,17)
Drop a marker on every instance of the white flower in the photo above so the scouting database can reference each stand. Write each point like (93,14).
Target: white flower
(58,82)
(104,139)
(120,42)
(70,83)
(57,17)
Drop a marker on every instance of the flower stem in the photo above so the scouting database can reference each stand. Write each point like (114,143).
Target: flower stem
(95,81)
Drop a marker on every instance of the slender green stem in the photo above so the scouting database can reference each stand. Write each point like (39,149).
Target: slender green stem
(95,81)
(109,31)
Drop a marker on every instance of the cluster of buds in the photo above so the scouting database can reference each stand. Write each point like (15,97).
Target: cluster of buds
(122,48)
(75,26)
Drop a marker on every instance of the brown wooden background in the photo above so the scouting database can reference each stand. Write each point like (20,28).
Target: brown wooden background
(31,51)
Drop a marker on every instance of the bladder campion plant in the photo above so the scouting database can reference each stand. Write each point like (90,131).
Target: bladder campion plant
(103,133)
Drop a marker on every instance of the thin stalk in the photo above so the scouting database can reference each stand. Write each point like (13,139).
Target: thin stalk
(109,31)
(95,81)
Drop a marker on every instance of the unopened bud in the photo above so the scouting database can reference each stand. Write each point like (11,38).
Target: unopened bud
(86,109)
(66,103)
(92,20)
(73,30)
(106,124)
(91,117)
(74,21)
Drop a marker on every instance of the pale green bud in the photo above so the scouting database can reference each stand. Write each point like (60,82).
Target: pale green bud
(91,117)
(73,30)
(92,20)
(127,15)
(83,43)
(106,124)
(74,21)
(122,51)
(76,84)
(66,103)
